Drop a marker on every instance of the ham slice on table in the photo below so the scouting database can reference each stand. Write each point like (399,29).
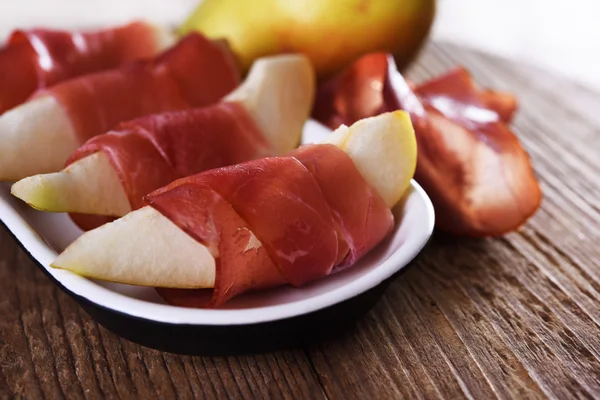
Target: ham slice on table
(39,58)
(359,91)
(456,89)
(196,72)
(275,220)
(469,161)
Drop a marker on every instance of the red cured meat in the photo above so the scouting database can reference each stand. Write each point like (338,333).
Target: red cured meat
(194,73)
(286,205)
(152,151)
(505,104)
(360,91)
(197,209)
(469,161)
(40,58)
(361,214)
(457,89)
(17,76)
(353,94)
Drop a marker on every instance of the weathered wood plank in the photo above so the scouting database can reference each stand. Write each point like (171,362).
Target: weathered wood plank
(50,348)
(502,369)
(16,362)
(453,358)
(517,317)
(483,280)
(364,363)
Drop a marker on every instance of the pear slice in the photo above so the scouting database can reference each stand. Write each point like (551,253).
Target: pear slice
(89,184)
(164,37)
(384,150)
(278,94)
(28,137)
(145,248)
(117,252)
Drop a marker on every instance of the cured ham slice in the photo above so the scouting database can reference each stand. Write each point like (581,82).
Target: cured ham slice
(472,165)
(357,209)
(242,263)
(39,58)
(194,73)
(457,89)
(359,91)
(353,94)
(153,151)
(291,208)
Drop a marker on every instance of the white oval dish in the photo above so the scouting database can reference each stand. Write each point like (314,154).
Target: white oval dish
(136,312)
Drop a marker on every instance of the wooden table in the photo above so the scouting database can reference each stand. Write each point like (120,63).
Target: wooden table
(515,317)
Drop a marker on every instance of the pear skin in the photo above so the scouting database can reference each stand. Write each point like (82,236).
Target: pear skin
(332,33)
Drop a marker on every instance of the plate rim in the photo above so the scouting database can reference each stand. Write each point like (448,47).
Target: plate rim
(23,233)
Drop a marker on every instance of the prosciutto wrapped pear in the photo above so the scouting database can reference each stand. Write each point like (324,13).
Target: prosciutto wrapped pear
(263,223)
(39,135)
(111,173)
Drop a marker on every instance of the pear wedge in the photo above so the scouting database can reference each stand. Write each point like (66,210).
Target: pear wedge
(89,184)
(112,252)
(384,150)
(34,128)
(145,248)
(278,94)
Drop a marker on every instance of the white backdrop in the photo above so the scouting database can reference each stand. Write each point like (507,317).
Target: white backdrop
(563,36)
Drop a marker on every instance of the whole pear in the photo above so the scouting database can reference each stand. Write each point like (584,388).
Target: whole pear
(332,33)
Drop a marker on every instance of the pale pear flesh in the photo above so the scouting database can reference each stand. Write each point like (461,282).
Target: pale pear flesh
(36,137)
(143,248)
(89,186)
(164,37)
(110,253)
(386,159)
(278,94)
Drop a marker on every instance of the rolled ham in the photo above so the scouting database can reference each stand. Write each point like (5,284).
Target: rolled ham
(275,220)
(39,135)
(267,222)
(109,175)
(472,165)
(194,73)
(152,151)
(39,58)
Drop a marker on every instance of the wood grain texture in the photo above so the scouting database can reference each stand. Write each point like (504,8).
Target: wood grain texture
(515,317)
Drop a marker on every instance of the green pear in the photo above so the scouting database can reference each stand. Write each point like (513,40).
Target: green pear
(332,33)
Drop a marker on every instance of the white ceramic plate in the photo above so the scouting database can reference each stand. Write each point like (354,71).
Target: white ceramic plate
(44,235)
